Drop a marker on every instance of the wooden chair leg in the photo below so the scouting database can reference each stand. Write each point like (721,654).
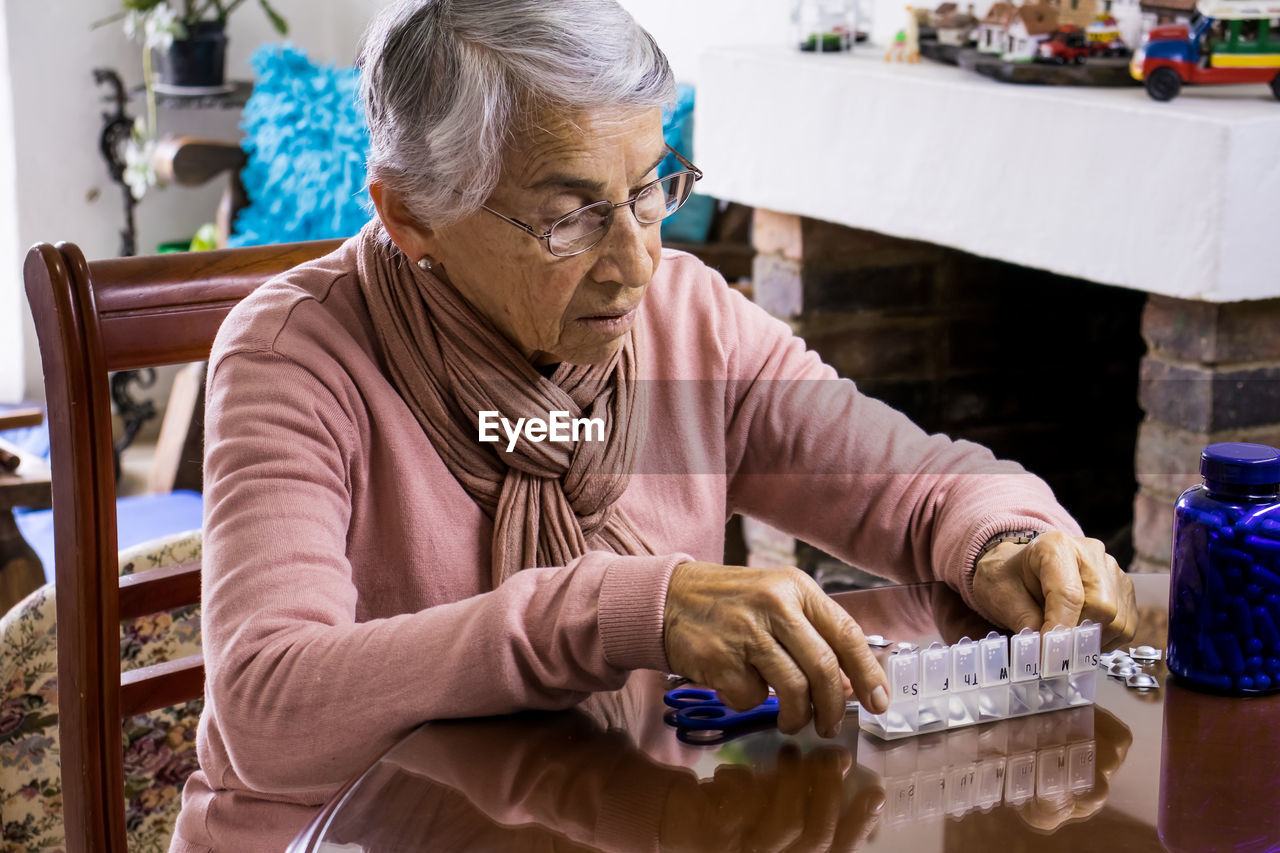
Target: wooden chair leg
(21,572)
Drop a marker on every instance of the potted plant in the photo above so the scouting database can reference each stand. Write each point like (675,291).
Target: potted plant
(187,38)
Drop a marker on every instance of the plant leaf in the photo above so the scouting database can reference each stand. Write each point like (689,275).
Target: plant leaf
(281,25)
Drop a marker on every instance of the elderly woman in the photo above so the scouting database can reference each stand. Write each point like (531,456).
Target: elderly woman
(480,458)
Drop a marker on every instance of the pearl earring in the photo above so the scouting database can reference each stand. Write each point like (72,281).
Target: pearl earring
(426,262)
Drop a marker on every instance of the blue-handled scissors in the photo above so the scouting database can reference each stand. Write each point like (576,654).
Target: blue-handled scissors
(697,709)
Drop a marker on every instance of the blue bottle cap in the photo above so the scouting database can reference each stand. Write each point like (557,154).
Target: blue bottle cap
(1238,463)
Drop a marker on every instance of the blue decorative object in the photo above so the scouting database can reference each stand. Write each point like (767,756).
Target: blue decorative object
(691,223)
(307,143)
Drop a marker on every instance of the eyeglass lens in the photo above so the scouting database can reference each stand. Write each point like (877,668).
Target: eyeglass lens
(584,228)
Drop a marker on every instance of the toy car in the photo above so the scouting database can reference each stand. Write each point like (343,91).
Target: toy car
(1104,37)
(1215,48)
(1066,45)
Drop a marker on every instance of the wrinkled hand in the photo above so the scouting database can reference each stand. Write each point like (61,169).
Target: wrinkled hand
(1057,579)
(796,806)
(741,631)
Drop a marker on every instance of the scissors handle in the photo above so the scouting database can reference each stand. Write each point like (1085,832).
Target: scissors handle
(700,709)
(689,697)
(723,717)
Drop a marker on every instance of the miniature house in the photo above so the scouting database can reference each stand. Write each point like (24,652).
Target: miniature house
(1077,12)
(991,30)
(1031,25)
(952,26)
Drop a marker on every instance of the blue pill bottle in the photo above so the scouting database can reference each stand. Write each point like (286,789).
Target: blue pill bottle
(1224,584)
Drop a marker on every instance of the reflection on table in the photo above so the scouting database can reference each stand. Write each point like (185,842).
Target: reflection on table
(611,775)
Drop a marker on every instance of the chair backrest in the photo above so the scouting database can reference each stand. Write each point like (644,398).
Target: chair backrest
(91,319)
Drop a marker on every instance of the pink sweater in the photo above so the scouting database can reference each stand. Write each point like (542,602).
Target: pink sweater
(346,574)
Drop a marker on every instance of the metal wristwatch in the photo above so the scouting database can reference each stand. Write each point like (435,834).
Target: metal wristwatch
(1017,537)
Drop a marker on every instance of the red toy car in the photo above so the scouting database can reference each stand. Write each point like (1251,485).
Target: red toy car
(1066,45)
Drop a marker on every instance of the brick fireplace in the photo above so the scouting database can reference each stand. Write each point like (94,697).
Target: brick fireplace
(1107,393)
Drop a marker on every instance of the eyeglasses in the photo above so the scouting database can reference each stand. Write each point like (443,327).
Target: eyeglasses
(584,228)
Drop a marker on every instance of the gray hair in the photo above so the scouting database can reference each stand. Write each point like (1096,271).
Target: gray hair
(447,85)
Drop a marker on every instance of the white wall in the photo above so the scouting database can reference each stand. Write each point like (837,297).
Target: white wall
(53,183)
(12,307)
(685,28)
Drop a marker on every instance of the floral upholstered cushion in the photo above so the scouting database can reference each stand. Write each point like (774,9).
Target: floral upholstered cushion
(159,747)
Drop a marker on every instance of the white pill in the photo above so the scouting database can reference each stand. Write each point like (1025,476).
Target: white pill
(1141,681)
(1145,653)
(1123,670)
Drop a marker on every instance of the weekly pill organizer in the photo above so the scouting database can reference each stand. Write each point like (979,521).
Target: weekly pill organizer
(942,687)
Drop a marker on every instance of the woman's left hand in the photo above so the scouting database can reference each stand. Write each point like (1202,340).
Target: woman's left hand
(1056,579)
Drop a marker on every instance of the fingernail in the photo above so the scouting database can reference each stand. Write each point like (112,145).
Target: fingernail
(879,700)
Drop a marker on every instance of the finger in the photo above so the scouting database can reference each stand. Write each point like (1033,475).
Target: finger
(845,637)
(1099,576)
(741,689)
(1052,559)
(1125,626)
(795,705)
(1012,603)
(821,668)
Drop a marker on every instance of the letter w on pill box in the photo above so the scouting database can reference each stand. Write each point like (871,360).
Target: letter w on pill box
(998,677)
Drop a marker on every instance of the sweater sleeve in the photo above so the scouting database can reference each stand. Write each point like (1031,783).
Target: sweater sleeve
(304,694)
(812,455)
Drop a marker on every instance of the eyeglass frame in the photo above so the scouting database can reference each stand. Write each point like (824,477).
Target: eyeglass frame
(689,168)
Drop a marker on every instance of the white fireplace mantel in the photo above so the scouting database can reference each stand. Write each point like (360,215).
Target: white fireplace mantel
(1179,198)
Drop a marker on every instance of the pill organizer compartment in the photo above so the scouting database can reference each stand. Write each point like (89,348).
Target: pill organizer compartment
(948,687)
(978,768)
(1055,669)
(963,704)
(993,678)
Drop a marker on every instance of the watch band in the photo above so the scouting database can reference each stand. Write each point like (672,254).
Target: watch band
(1017,537)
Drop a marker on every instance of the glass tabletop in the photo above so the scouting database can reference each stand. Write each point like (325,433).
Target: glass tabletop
(1138,770)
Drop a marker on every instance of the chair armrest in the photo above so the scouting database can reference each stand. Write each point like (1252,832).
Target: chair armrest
(191,162)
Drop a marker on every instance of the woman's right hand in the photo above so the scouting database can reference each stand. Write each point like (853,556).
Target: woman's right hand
(741,631)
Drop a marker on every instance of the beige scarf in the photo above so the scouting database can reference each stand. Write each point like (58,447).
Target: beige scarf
(549,500)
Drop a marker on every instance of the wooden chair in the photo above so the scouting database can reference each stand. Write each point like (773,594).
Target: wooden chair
(92,318)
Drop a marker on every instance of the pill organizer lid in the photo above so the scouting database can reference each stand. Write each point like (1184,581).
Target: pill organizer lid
(1240,463)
